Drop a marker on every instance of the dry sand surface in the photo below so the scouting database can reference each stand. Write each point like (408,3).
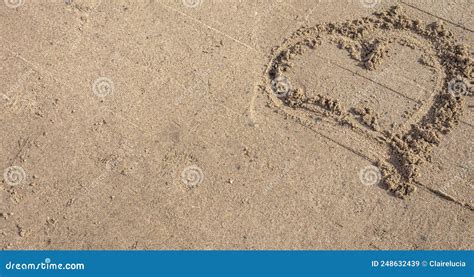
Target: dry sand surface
(226,124)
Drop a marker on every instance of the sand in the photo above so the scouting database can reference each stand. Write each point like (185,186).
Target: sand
(236,125)
(408,148)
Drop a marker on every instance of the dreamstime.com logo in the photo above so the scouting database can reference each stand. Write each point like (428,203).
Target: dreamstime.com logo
(192,3)
(370,4)
(46,265)
(370,175)
(13,4)
(103,86)
(192,176)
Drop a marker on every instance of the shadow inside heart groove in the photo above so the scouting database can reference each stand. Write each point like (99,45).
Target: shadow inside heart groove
(398,152)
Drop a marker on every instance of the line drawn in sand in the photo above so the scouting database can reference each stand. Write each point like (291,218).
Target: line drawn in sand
(397,152)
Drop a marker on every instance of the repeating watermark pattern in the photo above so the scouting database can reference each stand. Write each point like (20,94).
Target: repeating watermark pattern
(460,178)
(370,4)
(370,175)
(113,164)
(463,170)
(103,87)
(14,175)
(13,99)
(13,4)
(20,81)
(197,89)
(110,165)
(9,102)
(459,87)
(279,178)
(281,86)
(192,176)
(192,3)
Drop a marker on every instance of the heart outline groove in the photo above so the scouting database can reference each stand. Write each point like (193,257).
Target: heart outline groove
(399,153)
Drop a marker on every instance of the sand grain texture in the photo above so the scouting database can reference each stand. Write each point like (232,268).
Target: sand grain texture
(236,125)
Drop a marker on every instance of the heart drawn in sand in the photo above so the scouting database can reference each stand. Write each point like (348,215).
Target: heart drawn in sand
(397,152)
